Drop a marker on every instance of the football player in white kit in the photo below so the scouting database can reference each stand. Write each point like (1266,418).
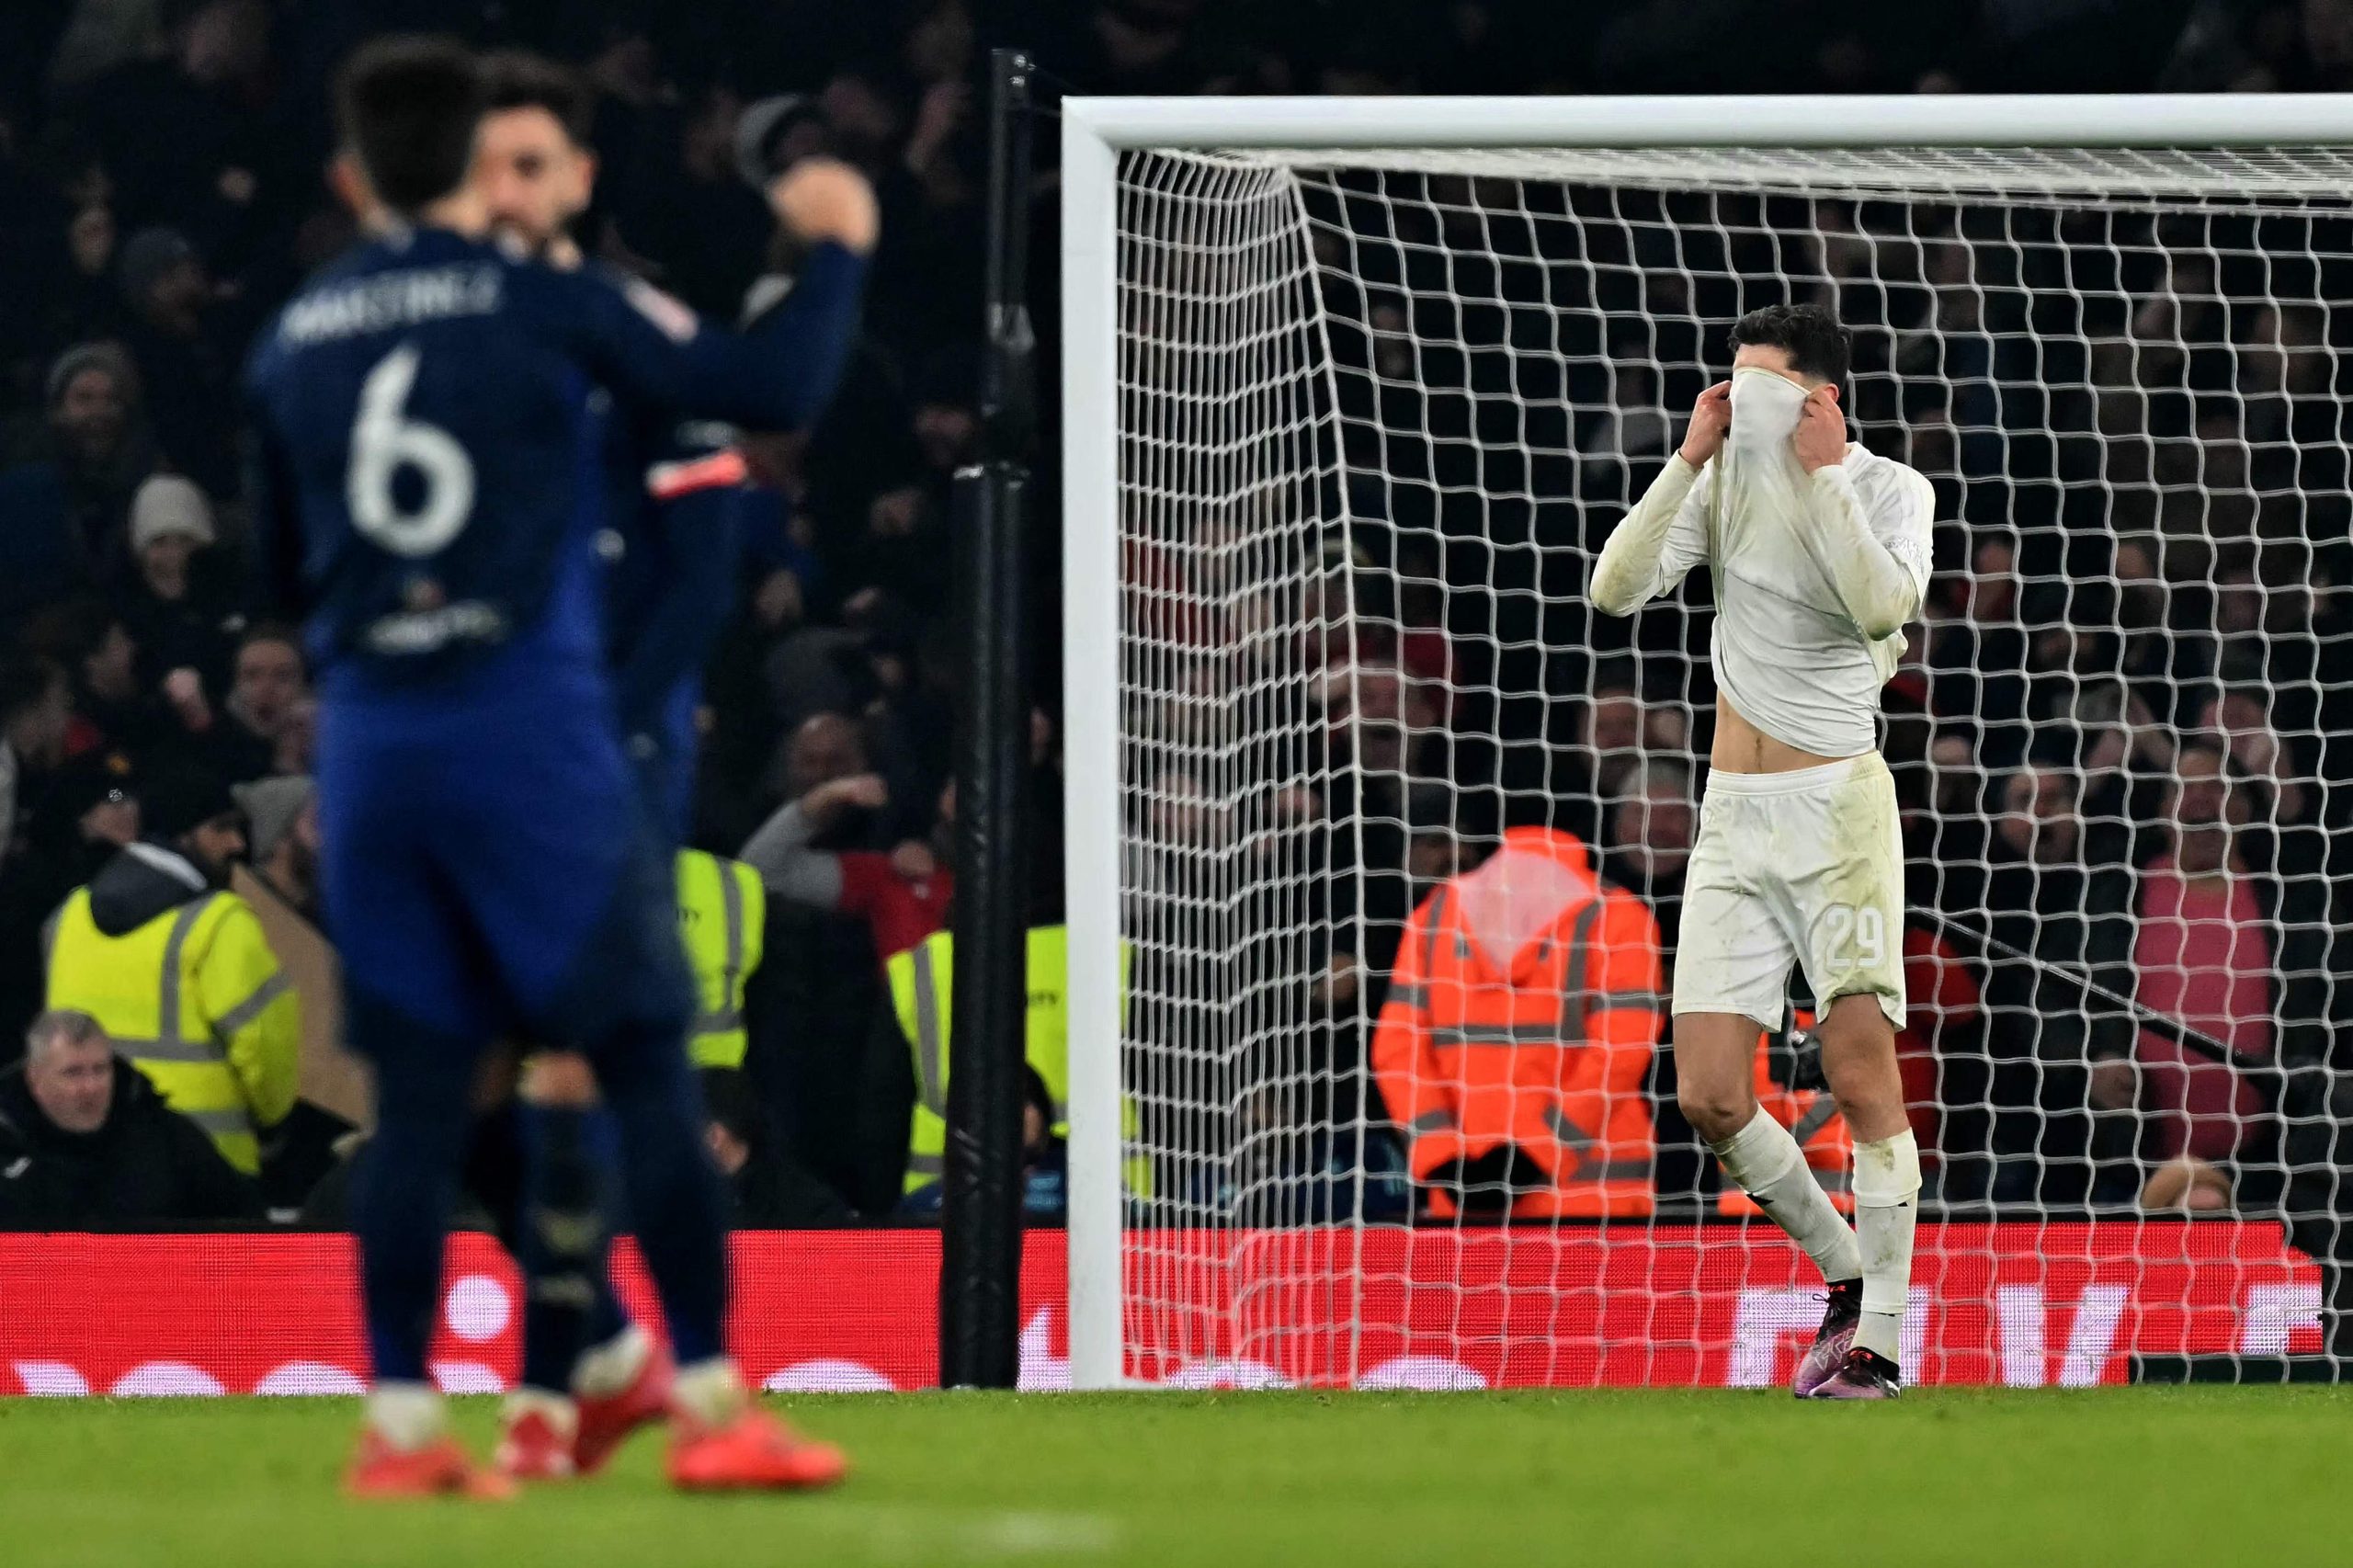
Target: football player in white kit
(1819,553)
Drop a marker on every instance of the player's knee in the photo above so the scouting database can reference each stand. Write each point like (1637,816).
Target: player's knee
(1715,1110)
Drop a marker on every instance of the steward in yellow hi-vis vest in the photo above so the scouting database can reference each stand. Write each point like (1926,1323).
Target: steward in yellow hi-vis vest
(920,981)
(722,917)
(178,973)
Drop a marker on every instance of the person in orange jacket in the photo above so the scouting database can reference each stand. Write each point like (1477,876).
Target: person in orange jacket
(1522,1014)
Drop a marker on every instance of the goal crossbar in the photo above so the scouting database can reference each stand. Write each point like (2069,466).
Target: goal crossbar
(2086,120)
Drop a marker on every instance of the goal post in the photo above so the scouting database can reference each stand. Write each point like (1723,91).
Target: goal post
(1215,629)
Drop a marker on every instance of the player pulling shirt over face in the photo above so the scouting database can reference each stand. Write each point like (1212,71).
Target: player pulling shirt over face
(1819,554)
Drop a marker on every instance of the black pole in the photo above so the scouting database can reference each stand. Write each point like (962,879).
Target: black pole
(980,1263)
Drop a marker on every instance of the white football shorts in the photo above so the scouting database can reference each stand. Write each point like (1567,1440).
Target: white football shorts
(1803,868)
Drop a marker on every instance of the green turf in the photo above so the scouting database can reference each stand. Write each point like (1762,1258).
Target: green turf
(2145,1477)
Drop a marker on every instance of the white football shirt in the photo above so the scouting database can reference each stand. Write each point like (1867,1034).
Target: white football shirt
(1815,577)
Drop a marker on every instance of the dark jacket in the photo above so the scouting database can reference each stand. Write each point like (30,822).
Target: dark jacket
(145,1165)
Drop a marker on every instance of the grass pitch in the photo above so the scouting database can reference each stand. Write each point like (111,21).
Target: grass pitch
(2144,1477)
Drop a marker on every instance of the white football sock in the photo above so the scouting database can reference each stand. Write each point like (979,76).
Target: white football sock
(1887,1193)
(710,1391)
(605,1370)
(559,1411)
(1769,1166)
(406,1416)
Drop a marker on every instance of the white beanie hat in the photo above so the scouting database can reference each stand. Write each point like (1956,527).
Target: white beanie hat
(165,505)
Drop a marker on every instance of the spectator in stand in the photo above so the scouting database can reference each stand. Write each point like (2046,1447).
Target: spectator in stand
(67,502)
(41,857)
(36,714)
(821,749)
(112,707)
(2239,718)
(1045,1165)
(903,896)
(178,971)
(1649,843)
(201,69)
(179,605)
(184,357)
(1939,1054)
(1978,650)
(282,838)
(2204,953)
(89,810)
(812,1005)
(2067,917)
(769,1188)
(86,1141)
(88,306)
(269,709)
(1609,731)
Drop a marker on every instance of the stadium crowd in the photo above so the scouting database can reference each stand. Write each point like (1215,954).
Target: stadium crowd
(160,194)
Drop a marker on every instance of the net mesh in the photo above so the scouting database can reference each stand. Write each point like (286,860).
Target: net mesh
(1379,409)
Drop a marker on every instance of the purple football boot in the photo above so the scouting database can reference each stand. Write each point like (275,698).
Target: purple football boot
(1831,1341)
(1865,1374)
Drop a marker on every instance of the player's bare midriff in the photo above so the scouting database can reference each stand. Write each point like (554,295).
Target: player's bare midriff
(1742,747)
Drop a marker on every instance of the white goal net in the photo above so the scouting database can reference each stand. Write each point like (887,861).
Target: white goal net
(1376,411)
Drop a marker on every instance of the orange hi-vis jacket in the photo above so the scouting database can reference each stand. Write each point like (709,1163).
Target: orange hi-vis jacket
(1812,1118)
(1523,1010)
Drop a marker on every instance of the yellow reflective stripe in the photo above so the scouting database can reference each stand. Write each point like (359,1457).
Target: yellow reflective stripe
(1614,1170)
(167,1008)
(730,904)
(931,1050)
(1433,1121)
(726,1022)
(926,1165)
(1610,1001)
(1415,996)
(137,1048)
(220,1122)
(247,1011)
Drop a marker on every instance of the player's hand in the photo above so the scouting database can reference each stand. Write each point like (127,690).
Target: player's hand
(1711,417)
(1821,438)
(825,199)
(914,862)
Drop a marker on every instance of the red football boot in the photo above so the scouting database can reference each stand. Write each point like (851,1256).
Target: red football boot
(440,1469)
(534,1448)
(605,1422)
(755,1451)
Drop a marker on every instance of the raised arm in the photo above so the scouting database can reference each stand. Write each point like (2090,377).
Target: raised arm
(1876,558)
(781,850)
(779,373)
(1666,534)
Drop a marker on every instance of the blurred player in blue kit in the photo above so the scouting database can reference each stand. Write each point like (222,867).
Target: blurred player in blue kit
(675,488)
(433,472)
